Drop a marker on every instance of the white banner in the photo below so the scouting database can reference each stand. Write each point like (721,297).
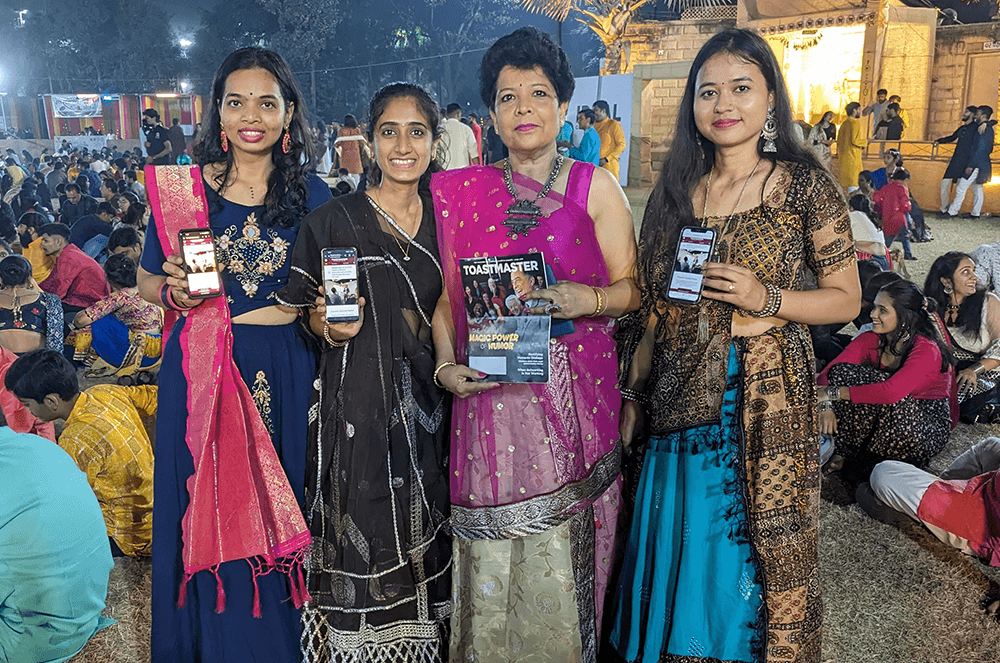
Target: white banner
(76,105)
(92,143)
(617,91)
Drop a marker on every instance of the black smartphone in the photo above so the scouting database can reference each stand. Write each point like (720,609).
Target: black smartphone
(340,280)
(694,248)
(198,252)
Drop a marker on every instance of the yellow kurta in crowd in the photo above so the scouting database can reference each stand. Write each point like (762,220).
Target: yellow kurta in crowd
(41,264)
(105,437)
(612,142)
(850,141)
(17,174)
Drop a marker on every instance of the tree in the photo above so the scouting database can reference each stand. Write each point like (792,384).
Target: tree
(609,19)
(303,26)
(108,46)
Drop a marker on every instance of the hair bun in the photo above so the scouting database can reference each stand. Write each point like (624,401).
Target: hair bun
(14,270)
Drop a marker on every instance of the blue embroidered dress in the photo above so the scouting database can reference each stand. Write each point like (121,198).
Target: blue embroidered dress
(279,366)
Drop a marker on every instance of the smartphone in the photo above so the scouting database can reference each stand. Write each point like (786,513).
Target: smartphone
(198,252)
(694,248)
(340,281)
(559,327)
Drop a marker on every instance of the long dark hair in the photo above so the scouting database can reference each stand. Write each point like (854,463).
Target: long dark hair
(915,315)
(970,311)
(691,155)
(288,184)
(432,114)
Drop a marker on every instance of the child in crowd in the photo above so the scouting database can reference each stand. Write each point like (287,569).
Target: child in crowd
(103,434)
(893,203)
(119,335)
(869,242)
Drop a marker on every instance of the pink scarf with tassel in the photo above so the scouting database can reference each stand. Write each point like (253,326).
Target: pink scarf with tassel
(242,505)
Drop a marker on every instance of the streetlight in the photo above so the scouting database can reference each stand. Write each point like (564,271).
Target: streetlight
(185,43)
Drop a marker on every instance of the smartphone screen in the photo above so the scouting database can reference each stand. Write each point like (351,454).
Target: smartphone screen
(694,249)
(198,251)
(340,280)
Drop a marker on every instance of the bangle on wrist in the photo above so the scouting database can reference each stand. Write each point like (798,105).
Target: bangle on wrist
(771,304)
(329,339)
(167,298)
(635,396)
(438,370)
(833,393)
(824,406)
(602,302)
(978,368)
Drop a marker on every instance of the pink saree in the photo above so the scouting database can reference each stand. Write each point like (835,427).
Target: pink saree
(534,467)
(242,505)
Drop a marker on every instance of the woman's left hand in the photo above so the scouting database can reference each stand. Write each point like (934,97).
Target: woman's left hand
(967,380)
(733,284)
(567,299)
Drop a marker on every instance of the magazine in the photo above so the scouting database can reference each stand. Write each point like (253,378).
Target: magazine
(505,341)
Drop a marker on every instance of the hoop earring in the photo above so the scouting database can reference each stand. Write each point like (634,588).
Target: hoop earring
(286,143)
(770,131)
(948,290)
(225,141)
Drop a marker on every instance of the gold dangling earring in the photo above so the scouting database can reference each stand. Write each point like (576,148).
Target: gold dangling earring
(286,143)
(770,131)
(225,140)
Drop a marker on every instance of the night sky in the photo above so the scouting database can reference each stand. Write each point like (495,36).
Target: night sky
(186,15)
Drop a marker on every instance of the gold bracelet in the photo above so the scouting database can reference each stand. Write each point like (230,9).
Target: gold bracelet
(329,339)
(438,370)
(602,303)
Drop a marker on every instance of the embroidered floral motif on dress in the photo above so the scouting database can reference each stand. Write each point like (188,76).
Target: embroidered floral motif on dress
(252,254)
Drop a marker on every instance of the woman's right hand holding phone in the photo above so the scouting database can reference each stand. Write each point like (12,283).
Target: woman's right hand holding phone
(337,331)
(173,267)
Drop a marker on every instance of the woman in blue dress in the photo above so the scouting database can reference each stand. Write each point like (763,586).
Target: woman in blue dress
(257,156)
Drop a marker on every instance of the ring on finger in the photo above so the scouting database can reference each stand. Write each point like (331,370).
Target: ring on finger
(732,286)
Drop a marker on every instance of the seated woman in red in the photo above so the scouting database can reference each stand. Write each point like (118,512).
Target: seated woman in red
(889,395)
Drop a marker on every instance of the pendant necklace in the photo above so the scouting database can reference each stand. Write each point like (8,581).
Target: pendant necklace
(708,184)
(523,215)
(395,226)
(16,309)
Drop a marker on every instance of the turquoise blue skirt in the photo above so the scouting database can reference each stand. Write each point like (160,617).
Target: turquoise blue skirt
(689,584)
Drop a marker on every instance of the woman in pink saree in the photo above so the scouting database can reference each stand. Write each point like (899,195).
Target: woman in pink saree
(534,468)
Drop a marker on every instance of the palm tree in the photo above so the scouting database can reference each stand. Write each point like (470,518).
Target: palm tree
(609,19)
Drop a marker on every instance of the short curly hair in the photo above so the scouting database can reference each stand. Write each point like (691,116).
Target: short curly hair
(526,48)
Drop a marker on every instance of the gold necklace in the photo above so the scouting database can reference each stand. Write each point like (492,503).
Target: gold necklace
(16,309)
(708,184)
(395,226)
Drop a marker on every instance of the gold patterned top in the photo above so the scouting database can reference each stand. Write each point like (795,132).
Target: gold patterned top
(105,437)
(800,233)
